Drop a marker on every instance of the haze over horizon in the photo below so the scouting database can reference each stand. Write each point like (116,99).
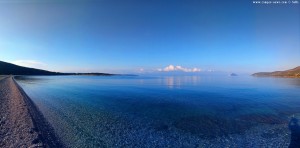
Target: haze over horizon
(135,36)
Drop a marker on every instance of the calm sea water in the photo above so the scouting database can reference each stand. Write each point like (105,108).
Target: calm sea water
(179,111)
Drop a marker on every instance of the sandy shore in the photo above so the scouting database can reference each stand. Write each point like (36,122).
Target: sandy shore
(21,123)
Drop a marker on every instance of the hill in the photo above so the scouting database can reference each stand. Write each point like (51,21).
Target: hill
(12,69)
(292,73)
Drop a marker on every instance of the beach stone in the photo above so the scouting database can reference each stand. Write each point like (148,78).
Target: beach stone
(263,118)
(35,141)
(161,127)
(272,133)
(32,130)
(20,118)
(288,111)
(211,127)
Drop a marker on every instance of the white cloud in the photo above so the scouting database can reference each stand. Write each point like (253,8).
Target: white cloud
(179,68)
(30,63)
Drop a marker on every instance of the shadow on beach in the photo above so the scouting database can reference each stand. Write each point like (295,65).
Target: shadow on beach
(295,133)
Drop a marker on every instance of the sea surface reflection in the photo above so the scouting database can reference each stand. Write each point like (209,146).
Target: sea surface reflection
(169,111)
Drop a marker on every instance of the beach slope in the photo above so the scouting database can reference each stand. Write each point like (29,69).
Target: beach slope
(21,123)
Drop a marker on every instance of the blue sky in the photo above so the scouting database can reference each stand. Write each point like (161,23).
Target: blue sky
(128,36)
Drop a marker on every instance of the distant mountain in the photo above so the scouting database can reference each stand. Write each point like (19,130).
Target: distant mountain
(292,73)
(233,74)
(12,69)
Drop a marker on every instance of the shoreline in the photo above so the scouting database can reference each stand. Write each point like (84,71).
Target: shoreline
(262,135)
(21,122)
(264,76)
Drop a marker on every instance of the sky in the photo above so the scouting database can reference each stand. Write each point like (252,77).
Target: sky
(144,36)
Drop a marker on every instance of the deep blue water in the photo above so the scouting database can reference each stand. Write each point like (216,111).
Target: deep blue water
(179,111)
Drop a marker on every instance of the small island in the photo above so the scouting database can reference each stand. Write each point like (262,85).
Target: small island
(291,73)
(233,74)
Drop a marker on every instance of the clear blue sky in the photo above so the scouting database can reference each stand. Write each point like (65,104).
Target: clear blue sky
(123,36)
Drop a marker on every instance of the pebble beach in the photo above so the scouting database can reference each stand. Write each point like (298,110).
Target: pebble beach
(21,124)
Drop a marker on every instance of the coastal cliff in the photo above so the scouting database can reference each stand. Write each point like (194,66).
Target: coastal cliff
(291,73)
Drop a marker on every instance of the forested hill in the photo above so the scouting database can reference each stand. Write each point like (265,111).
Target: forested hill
(12,69)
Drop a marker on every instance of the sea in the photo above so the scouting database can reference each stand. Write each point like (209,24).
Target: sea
(167,111)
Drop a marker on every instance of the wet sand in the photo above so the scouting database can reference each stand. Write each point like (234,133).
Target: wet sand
(21,123)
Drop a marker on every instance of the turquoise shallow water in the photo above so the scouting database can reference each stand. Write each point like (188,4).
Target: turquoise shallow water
(179,111)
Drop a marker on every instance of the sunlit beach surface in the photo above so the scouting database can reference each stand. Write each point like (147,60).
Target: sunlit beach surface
(174,111)
(21,123)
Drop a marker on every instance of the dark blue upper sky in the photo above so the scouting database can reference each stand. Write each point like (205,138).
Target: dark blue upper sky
(126,36)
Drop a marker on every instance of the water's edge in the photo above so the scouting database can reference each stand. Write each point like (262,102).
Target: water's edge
(162,112)
(46,132)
